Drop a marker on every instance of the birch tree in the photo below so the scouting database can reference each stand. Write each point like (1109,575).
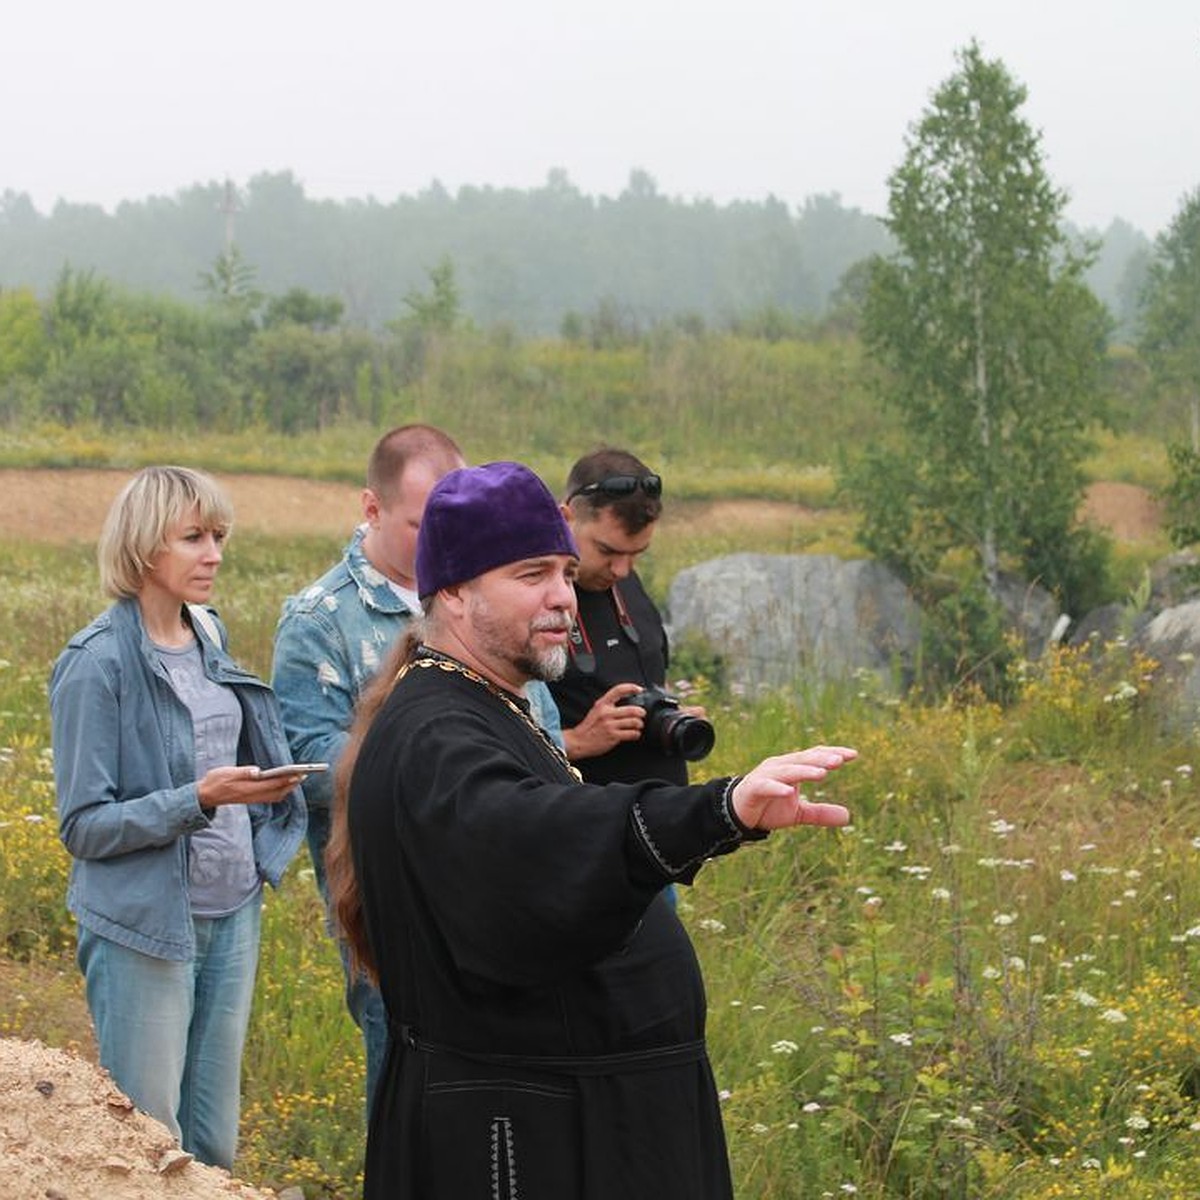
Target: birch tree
(989,348)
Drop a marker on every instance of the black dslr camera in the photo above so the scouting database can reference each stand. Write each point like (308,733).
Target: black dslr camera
(676,733)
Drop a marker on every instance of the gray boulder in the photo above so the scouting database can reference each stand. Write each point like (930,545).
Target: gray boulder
(1032,612)
(775,619)
(1172,638)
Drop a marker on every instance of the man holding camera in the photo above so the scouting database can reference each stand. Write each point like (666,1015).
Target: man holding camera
(617,724)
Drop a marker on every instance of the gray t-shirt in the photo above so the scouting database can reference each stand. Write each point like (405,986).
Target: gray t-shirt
(222,875)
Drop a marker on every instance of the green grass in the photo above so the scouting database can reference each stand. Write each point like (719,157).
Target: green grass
(988,987)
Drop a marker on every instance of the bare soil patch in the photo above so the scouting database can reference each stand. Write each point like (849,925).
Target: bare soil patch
(69,505)
(1130,513)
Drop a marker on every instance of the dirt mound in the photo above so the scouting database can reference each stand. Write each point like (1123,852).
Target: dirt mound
(68,1133)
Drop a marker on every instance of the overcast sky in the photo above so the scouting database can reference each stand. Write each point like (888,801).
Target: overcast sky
(104,100)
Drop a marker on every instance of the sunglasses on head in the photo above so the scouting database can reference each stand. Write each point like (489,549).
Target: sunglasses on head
(621,485)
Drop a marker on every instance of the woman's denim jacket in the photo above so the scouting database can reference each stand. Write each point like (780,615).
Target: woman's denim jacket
(124,769)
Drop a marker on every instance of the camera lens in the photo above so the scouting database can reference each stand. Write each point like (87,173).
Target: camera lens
(692,738)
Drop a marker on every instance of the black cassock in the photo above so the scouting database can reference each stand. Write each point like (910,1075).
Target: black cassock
(546,1006)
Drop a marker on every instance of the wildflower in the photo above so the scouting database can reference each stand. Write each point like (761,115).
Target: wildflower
(1014,962)
(940,893)
(901,1039)
(1067,876)
(991,973)
(952,848)
(896,847)
(1003,918)
(1137,1121)
(758,1008)
(917,871)
(759,1127)
(1037,939)
(1184,769)
(1114,1016)
(849,1189)
(1091,1164)
(1001,828)
(784,1046)
(817,1029)
(724,1094)
(1084,998)
(1082,1052)
(711,924)
(962,1122)
(811,1107)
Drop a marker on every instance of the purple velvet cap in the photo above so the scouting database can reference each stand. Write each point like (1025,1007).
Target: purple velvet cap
(479,518)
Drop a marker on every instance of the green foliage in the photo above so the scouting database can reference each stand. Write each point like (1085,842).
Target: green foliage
(991,350)
(231,285)
(23,348)
(439,309)
(1182,495)
(1170,317)
(300,307)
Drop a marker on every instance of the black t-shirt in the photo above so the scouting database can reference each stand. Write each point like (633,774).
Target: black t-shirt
(604,654)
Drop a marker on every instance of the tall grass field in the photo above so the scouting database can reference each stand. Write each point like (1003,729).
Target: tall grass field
(987,986)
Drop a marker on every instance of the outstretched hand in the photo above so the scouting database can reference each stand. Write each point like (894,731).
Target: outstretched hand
(769,796)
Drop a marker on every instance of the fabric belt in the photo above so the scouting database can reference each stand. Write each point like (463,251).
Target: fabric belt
(564,1064)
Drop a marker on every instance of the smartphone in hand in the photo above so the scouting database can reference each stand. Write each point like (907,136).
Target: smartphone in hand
(310,768)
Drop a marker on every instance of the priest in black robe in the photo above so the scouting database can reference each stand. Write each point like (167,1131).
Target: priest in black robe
(546,1009)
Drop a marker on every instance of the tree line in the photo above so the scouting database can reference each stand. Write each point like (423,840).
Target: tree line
(528,258)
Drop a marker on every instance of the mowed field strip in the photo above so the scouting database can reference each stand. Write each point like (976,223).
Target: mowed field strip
(68,505)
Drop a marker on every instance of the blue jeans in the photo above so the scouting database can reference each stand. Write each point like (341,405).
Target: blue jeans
(171,1034)
(362,999)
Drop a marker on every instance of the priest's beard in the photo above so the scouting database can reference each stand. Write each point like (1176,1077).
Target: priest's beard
(546,665)
(496,640)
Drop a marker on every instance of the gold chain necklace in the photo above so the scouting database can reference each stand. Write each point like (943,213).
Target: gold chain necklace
(446,663)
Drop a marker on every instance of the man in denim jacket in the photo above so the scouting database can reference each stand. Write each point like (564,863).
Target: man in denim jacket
(334,634)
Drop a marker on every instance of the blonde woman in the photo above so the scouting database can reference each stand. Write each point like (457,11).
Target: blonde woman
(159,737)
